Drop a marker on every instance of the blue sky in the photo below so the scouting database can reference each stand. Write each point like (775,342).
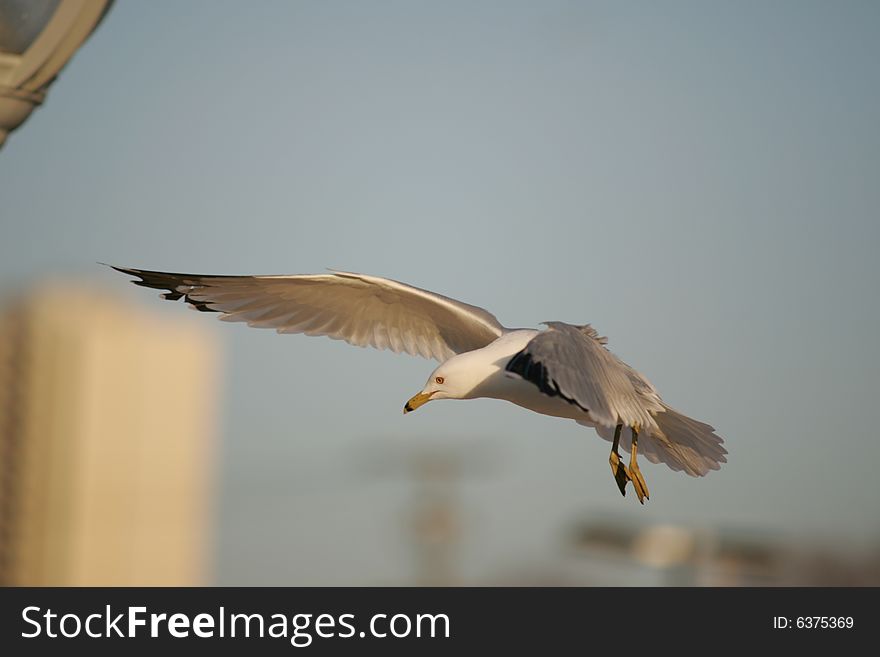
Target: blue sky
(699,180)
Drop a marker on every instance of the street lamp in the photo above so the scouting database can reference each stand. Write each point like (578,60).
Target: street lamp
(37,38)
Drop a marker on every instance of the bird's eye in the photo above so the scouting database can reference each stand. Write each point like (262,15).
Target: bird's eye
(439,380)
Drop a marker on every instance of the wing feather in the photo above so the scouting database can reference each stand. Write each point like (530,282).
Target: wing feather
(572,362)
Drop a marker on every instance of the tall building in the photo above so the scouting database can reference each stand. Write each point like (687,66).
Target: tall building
(107,442)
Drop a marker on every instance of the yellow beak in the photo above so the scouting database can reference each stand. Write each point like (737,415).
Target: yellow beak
(418,400)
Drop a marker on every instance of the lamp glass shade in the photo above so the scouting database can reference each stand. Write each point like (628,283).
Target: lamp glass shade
(21,22)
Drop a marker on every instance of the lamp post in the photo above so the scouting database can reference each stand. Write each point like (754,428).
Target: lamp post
(37,38)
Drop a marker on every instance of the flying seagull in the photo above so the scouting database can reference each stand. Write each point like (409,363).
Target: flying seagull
(564,370)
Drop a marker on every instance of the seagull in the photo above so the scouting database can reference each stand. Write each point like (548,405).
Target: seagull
(564,370)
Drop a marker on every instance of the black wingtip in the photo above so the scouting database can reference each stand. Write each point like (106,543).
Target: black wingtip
(173,286)
(123,270)
(141,274)
(523,364)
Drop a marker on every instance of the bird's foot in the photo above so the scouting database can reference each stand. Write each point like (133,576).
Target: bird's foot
(621,475)
(635,475)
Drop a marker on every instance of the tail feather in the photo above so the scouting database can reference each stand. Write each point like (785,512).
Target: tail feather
(682,443)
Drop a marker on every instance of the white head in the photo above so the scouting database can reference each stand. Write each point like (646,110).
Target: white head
(457,378)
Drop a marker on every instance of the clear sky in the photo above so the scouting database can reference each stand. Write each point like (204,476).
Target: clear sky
(698,180)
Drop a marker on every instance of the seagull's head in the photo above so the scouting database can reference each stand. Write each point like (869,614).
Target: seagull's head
(452,380)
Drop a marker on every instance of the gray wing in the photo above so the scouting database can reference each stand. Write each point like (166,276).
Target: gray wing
(362,310)
(572,362)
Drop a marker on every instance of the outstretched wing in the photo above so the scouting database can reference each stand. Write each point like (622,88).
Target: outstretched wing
(572,362)
(362,310)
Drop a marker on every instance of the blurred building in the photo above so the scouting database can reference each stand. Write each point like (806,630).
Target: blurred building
(106,442)
(678,555)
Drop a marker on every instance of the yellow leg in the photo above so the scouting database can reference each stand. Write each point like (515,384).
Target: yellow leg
(633,472)
(617,468)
